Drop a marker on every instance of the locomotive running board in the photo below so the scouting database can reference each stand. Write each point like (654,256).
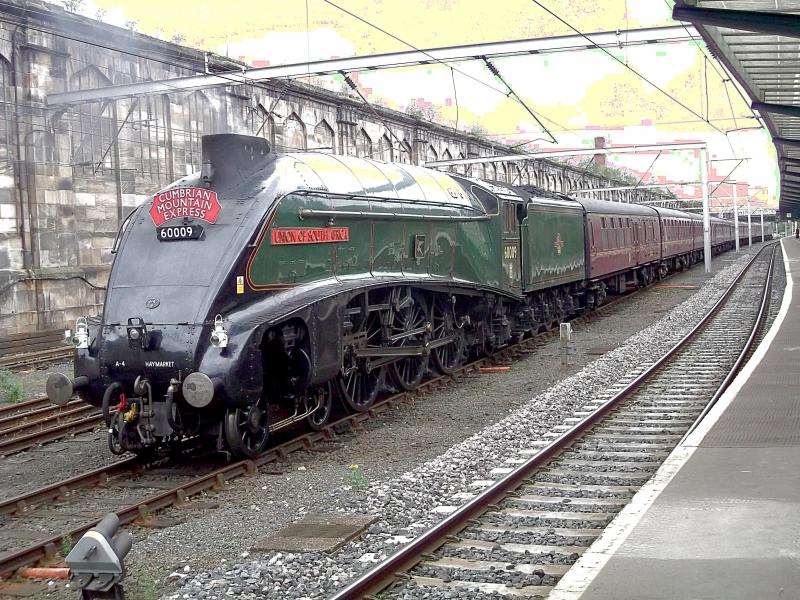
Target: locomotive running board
(401,351)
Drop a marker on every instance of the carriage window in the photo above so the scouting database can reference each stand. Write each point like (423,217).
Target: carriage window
(605,239)
(612,236)
(603,221)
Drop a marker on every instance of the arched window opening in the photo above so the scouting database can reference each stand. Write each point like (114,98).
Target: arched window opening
(363,144)
(463,169)
(143,141)
(405,153)
(385,150)
(430,154)
(268,131)
(198,120)
(448,156)
(294,133)
(6,95)
(93,126)
(323,137)
(503,172)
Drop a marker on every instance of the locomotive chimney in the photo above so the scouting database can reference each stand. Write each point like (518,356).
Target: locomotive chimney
(230,157)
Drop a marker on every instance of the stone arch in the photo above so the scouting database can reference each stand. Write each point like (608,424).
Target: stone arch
(405,153)
(294,133)
(267,131)
(447,156)
(431,154)
(363,144)
(385,150)
(502,172)
(324,139)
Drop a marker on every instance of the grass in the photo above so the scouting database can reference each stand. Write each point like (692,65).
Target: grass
(355,478)
(66,545)
(11,390)
(145,584)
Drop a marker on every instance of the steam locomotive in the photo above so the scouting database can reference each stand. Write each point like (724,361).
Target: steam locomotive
(246,297)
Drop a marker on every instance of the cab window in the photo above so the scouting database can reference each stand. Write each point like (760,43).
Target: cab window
(509,217)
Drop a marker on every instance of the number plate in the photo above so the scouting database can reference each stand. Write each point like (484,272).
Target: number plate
(175,233)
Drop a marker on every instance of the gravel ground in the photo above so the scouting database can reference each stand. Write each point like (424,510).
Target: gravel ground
(397,455)
(33,380)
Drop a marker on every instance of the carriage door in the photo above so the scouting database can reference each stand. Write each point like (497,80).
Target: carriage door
(512,253)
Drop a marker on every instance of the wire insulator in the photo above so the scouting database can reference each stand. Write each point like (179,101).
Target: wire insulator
(491,67)
(349,81)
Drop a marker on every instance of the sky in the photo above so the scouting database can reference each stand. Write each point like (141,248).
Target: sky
(577,95)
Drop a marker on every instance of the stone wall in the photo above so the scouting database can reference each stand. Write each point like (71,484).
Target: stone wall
(68,176)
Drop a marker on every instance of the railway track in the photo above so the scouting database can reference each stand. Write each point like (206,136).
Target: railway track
(519,534)
(33,525)
(38,421)
(38,358)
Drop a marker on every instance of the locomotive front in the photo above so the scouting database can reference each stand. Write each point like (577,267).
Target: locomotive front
(166,359)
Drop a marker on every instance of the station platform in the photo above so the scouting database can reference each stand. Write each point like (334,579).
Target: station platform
(721,519)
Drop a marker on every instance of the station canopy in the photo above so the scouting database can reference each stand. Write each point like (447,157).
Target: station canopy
(759,43)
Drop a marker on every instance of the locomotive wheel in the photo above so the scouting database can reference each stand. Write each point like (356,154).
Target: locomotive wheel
(449,357)
(322,396)
(408,313)
(359,388)
(247,430)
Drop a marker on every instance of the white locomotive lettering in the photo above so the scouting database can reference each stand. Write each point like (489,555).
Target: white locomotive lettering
(159,363)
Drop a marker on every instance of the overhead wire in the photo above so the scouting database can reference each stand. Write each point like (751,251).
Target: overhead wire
(226,75)
(354,86)
(511,91)
(700,44)
(725,81)
(723,180)
(455,93)
(638,183)
(622,62)
(432,57)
